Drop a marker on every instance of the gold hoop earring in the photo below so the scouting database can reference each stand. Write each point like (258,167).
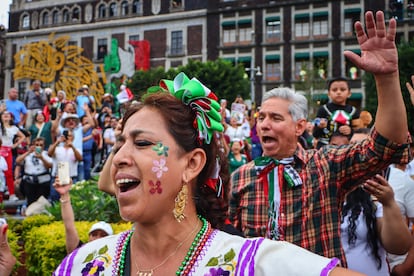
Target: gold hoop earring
(180,202)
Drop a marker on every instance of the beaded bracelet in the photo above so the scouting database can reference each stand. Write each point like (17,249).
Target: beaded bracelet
(63,200)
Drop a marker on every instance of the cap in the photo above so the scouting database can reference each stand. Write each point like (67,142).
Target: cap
(102,225)
(85,86)
(107,95)
(68,116)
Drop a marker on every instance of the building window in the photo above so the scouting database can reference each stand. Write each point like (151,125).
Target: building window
(320,65)
(351,70)
(102,48)
(302,29)
(22,87)
(124,8)
(351,16)
(301,69)
(55,17)
(229,36)
(75,14)
(245,34)
(410,8)
(177,4)
(26,21)
(112,10)
(45,19)
(176,42)
(273,72)
(273,30)
(136,7)
(348,26)
(320,27)
(134,37)
(101,11)
(65,16)
(396,9)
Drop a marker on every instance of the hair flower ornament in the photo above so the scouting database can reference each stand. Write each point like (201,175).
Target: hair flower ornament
(201,99)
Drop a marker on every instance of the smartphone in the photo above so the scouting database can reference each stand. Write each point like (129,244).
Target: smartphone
(66,134)
(63,173)
(38,150)
(2,221)
(387,173)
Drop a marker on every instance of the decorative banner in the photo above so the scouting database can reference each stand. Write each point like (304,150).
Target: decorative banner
(142,54)
(59,64)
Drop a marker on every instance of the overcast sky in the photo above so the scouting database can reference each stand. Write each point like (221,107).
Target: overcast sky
(4,12)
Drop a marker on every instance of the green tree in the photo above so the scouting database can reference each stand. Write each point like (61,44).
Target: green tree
(222,77)
(406,68)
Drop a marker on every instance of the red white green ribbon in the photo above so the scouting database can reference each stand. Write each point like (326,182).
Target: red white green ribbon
(201,99)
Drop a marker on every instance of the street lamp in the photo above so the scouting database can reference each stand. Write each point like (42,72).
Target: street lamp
(254,71)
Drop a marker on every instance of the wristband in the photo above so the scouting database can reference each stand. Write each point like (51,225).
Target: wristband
(64,200)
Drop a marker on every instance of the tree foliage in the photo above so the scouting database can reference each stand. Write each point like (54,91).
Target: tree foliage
(406,68)
(222,77)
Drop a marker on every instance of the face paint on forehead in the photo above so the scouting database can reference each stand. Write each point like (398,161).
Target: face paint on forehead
(155,187)
(159,167)
(161,149)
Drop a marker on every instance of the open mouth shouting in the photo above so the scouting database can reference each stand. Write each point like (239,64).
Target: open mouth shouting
(268,140)
(126,184)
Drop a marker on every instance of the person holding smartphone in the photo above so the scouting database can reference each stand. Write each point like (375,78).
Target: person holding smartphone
(36,173)
(63,150)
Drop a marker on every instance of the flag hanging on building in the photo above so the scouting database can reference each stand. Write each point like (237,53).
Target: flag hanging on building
(142,54)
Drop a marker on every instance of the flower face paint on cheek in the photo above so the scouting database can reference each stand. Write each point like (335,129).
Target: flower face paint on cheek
(159,167)
(160,149)
(155,187)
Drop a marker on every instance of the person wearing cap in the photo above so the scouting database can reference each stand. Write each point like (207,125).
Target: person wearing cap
(83,98)
(71,121)
(108,100)
(98,230)
(35,100)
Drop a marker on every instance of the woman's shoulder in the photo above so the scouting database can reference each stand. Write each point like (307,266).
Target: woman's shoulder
(98,255)
(233,253)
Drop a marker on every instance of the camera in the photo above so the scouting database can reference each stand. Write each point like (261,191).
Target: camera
(66,134)
(38,150)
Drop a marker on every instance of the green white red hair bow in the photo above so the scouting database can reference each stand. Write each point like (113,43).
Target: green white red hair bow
(201,99)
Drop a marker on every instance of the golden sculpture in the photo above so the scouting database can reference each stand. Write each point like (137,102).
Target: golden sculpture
(59,65)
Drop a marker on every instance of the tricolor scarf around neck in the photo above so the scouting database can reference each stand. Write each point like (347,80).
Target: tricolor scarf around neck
(274,173)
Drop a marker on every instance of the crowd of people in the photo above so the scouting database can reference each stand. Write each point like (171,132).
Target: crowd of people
(41,130)
(217,189)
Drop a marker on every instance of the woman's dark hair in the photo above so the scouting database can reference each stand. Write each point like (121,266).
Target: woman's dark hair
(357,201)
(3,128)
(180,121)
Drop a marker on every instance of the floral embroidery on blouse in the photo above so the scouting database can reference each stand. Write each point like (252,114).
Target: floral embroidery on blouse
(96,262)
(222,265)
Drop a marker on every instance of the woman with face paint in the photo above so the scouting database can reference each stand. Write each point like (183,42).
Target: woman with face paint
(169,179)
